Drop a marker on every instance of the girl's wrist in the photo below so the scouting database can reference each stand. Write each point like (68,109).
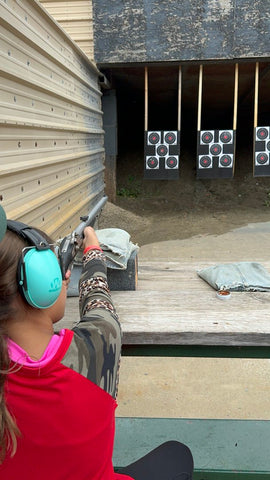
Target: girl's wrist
(92,247)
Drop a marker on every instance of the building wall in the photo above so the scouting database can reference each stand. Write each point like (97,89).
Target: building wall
(51,133)
(76,17)
(173,30)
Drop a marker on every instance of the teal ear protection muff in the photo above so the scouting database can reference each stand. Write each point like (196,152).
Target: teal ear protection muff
(38,273)
(3,223)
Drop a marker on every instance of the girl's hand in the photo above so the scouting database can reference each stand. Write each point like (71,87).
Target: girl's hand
(67,277)
(90,238)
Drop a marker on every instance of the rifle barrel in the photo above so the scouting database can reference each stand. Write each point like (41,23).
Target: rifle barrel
(90,219)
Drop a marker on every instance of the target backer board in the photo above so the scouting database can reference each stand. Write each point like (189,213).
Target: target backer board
(262,152)
(161,154)
(215,153)
(261,161)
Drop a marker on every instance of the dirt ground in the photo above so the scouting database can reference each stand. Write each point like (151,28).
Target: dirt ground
(156,211)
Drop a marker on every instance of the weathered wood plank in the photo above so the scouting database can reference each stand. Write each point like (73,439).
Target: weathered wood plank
(172,305)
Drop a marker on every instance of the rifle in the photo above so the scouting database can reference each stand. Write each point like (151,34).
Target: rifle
(70,244)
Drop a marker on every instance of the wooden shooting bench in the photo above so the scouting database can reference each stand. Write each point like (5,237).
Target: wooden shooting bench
(175,313)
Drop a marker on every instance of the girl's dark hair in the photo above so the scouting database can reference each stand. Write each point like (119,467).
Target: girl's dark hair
(10,252)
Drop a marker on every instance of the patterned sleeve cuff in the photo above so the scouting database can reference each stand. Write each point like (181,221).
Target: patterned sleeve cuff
(93,254)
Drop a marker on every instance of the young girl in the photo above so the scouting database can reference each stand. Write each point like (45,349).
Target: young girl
(58,390)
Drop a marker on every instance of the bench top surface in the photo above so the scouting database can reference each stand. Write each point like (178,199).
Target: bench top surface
(216,445)
(173,305)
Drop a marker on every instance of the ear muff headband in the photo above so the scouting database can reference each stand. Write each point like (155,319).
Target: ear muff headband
(39,274)
(28,233)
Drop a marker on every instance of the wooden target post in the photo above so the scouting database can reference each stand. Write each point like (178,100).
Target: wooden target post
(216,148)
(145,99)
(161,147)
(261,138)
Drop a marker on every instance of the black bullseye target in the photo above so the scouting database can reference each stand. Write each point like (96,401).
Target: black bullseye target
(262,158)
(215,149)
(152,162)
(225,161)
(207,137)
(170,138)
(205,161)
(262,133)
(153,138)
(171,162)
(162,150)
(226,137)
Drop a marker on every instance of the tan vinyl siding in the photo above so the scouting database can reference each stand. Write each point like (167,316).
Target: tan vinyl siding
(76,17)
(51,134)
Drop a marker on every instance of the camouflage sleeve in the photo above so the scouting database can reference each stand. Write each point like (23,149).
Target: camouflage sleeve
(96,346)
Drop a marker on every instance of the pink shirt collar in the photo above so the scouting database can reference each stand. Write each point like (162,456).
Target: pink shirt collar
(19,355)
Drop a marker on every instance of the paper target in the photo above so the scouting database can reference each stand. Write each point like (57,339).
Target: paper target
(152,162)
(262,152)
(215,153)
(162,150)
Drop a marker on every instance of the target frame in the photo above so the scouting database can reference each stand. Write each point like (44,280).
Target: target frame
(154,149)
(261,136)
(214,159)
(261,148)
